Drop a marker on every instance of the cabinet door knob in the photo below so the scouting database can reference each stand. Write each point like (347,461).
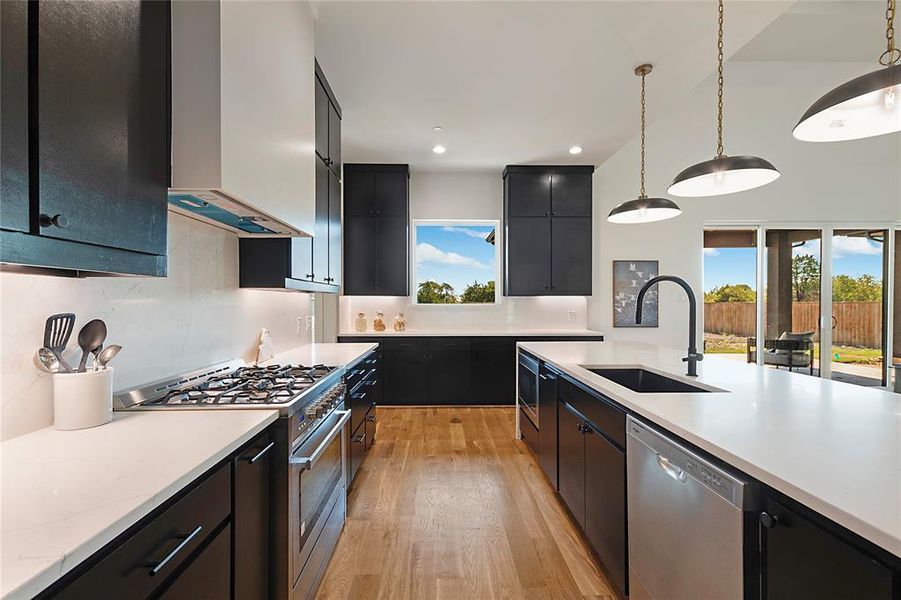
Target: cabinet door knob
(769,521)
(60,221)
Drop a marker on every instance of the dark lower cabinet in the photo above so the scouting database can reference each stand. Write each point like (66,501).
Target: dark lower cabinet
(547,420)
(450,362)
(210,541)
(493,371)
(592,483)
(571,452)
(605,504)
(529,433)
(209,574)
(801,559)
(406,377)
(252,470)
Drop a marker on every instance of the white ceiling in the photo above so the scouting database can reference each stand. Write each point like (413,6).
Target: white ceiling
(514,82)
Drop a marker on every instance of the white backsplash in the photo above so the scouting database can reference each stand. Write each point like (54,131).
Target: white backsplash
(544,313)
(194,317)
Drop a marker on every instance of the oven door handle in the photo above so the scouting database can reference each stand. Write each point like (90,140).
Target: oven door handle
(307,462)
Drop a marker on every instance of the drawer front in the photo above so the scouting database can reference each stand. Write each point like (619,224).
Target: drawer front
(604,415)
(361,401)
(358,445)
(405,344)
(449,343)
(365,369)
(139,565)
(529,432)
(209,575)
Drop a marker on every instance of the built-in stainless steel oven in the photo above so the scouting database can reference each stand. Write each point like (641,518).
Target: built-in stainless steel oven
(527,386)
(317,497)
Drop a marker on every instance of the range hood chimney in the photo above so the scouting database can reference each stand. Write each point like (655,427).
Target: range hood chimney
(243,129)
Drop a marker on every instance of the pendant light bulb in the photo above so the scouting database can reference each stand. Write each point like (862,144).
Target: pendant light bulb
(723,174)
(643,209)
(863,107)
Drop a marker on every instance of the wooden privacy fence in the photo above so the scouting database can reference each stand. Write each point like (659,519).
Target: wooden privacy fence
(855,323)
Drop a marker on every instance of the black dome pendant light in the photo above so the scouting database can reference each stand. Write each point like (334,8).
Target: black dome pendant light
(643,209)
(867,106)
(722,174)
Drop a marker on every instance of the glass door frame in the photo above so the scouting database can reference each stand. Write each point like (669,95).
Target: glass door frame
(826,230)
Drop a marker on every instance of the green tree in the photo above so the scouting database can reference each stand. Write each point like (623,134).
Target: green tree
(478,293)
(432,292)
(865,288)
(731,292)
(805,278)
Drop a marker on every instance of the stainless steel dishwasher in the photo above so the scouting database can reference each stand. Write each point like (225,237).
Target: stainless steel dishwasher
(687,520)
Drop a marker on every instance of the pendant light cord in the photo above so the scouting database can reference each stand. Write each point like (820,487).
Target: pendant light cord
(642,194)
(892,54)
(719,83)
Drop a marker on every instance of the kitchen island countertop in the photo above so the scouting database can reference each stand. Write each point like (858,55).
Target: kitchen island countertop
(832,446)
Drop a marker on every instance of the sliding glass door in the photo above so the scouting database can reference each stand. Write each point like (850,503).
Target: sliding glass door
(859,271)
(822,300)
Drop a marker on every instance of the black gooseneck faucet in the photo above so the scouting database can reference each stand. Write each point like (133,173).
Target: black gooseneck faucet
(693,355)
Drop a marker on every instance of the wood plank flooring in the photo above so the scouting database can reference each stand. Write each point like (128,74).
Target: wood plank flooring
(449,505)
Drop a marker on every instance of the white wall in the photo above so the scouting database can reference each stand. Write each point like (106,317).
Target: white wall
(194,317)
(846,182)
(465,195)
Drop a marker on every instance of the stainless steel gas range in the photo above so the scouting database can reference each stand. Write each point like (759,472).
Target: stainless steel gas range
(311,440)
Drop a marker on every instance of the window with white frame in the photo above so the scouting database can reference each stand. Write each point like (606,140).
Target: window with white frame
(455,262)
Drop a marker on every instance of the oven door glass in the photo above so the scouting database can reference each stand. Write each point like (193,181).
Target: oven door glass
(315,484)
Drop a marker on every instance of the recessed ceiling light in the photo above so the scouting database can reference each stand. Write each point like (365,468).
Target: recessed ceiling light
(439,149)
(575,150)
(437,128)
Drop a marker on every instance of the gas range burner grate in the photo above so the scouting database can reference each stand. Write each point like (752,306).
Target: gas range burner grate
(274,384)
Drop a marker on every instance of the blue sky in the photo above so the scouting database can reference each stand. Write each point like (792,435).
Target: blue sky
(853,256)
(457,254)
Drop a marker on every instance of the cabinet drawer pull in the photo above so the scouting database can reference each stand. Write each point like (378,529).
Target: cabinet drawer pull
(671,469)
(60,221)
(769,521)
(371,418)
(186,539)
(261,453)
(358,439)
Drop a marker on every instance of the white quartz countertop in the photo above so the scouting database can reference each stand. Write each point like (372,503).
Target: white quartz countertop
(66,494)
(337,355)
(834,447)
(486,332)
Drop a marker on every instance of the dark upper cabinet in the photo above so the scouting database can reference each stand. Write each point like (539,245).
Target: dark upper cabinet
(571,453)
(97,125)
(376,230)
(334,229)
(571,194)
(571,256)
(547,423)
(548,224)
(801,559)
(328,123)
(252,470)
(359,255)
(102,120)
(528,271)
(279,264)
(605,504)
(14,115)
(320,242)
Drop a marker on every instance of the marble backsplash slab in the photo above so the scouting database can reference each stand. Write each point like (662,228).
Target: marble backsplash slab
(194,317)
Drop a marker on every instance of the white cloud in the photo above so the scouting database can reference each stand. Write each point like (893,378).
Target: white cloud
(711,252)
(465,231)
(427,253)
(845,246)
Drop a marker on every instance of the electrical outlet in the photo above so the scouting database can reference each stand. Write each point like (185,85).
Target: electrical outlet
(571,315)
(309,323)
(300,324)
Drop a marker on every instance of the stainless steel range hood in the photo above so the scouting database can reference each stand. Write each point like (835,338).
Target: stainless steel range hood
(243,116)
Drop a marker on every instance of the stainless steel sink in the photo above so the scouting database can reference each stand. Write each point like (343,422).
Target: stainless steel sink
(646,382)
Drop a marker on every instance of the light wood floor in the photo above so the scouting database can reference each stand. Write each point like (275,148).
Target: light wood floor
(449,505)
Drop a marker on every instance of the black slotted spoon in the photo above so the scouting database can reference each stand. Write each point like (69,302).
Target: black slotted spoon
(57,331)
